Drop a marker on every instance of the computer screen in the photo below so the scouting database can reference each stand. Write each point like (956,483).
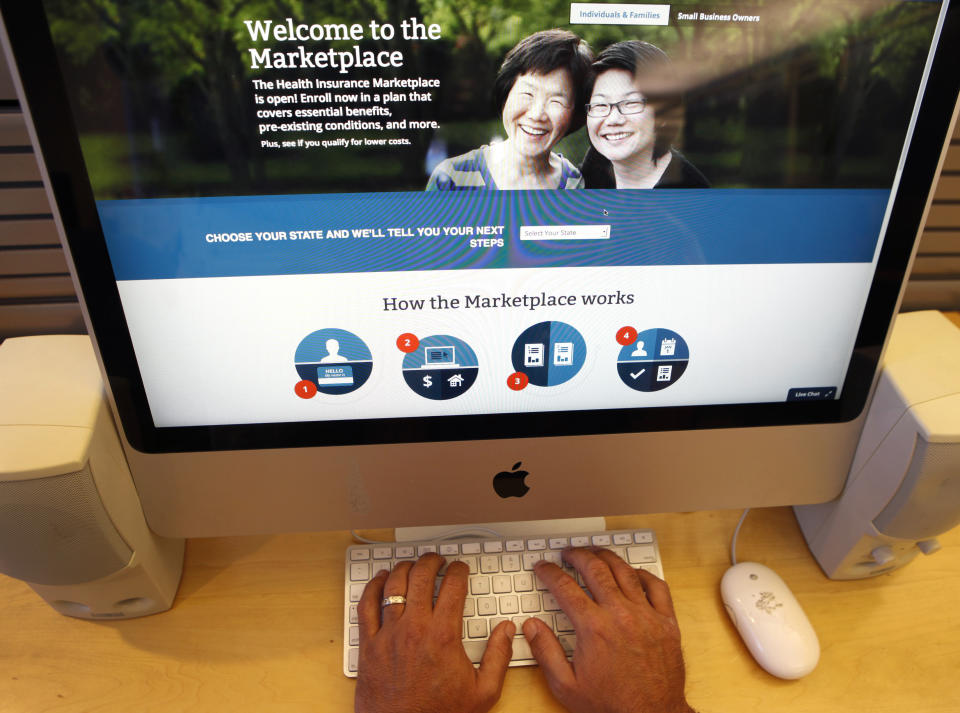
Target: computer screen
(375,240)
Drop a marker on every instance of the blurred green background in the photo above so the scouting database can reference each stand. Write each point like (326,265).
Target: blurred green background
(817,94)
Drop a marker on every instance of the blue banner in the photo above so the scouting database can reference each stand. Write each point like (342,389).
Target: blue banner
(388,232)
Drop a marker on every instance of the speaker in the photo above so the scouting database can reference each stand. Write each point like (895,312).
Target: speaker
(904,485)
(71,525)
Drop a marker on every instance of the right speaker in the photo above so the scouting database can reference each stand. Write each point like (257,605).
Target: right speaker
(904,485)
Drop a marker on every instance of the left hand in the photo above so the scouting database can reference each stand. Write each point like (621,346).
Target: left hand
(411,656)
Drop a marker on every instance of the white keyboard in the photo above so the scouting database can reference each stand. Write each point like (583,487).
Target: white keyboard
(502,584)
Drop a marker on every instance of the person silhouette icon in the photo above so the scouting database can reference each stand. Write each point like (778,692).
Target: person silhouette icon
(333,353)
(639,351)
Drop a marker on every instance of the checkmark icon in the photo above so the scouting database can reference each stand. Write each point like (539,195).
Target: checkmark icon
(634,376)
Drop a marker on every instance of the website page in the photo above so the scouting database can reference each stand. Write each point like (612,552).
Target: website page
(323,211)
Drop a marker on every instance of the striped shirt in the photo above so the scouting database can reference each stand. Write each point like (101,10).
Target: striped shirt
(470,171)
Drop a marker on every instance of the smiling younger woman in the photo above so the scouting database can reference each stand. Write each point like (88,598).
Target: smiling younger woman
(629,122)
(540,96)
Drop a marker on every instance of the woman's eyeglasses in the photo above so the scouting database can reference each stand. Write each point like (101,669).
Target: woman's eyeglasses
(625,107)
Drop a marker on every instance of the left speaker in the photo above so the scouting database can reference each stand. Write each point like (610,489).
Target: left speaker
(71,525)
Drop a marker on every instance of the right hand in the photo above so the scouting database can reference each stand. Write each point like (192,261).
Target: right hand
(627,658)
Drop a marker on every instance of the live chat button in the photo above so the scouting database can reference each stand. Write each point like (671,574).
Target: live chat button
(601,13)
(816,393)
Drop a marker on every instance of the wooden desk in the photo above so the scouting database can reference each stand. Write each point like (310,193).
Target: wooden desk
(257,627)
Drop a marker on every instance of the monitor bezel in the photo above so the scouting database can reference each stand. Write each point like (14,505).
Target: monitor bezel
(59,147)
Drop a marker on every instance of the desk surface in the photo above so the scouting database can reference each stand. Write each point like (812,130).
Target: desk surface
(256,626)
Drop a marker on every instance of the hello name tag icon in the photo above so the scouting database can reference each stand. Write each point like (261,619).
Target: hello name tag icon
(341,375)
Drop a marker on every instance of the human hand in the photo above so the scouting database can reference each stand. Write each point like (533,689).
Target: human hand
(627,658)
(411,656)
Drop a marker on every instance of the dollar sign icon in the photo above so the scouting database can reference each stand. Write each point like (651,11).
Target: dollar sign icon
(428,381)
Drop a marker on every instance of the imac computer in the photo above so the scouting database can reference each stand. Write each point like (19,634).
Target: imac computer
(353,265)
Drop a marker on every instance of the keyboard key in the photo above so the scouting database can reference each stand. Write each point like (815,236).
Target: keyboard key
(545,618)
(379,566)
(356,590)
(510,562)
(554,557)
(477,629)
(475,650)
(469,608)
(523,582)
(538,543)
(448,549)
(550,602)
(509,604)
(493,546)
(359,572)
(530,603)
(601,540)
(359,554)
(580,541)
(471,562)
(354,615)
(501,584)
(514,545)
(563,622)
(382,553)
(530,559)
(569,643)
(521,650)
(486,606)
(642,538)
(352,657)
(424,549)
(622,538)
(479,585)
(558,543)
(641,554)
(470,548)
(405,551)
(354,635)
(489,564)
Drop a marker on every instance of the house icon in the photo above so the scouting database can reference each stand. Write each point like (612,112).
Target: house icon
(455,380)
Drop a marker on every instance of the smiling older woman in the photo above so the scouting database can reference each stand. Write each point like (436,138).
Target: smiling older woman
(540,96)
(630,125)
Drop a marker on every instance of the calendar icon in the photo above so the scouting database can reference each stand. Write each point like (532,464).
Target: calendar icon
(668,347)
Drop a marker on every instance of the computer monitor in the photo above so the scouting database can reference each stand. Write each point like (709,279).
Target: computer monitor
(362,267)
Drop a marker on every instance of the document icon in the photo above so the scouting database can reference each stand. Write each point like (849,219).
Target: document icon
(563,353)
(533,355)
(668,347)
(664,373)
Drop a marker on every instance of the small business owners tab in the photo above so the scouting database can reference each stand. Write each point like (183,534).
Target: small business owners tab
(601,13)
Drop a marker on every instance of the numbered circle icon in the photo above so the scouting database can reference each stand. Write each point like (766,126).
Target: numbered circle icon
(441,367)
(335,361)
(654,360)
(549,353)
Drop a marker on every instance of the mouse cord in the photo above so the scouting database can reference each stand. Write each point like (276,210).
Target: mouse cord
(733,541)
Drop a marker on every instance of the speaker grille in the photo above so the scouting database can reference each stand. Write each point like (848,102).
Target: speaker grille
(55,531)
(927,503)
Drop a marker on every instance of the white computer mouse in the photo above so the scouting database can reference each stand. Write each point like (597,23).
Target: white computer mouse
(770,620)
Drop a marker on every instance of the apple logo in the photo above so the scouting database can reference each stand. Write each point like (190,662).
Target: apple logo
(509,483)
